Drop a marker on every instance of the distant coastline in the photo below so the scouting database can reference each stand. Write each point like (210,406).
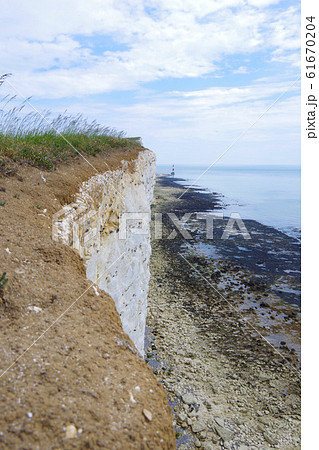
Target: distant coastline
(268,194)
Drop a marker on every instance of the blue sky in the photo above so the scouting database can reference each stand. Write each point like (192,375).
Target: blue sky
(187,76)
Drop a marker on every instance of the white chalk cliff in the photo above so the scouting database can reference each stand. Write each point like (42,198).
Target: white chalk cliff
(108,224)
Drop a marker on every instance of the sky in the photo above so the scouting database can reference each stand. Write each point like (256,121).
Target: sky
(193,78)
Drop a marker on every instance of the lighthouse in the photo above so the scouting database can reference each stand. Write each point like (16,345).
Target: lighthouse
(173,171)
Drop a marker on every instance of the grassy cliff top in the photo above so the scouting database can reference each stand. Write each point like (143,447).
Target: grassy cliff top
(41,140)
(48,143)
(48,149)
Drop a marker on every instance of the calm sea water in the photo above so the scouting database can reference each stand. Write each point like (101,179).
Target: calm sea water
(268,194)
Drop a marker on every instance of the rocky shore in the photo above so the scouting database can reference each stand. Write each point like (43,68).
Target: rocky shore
(224,328)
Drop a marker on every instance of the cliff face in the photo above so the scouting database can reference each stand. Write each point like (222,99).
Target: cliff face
(108,225)
(70,376)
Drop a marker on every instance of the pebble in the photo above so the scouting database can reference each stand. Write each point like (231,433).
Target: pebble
(270,438)
(222,432)
(215,388)
(177,392)
(189,399)
(265,420)
(219,421)
(198,426)
(147,414)
(70,431)
(208,446)
(35,308)
(260,427)
(210,421)
(182,417)
(238,421)
(215,438)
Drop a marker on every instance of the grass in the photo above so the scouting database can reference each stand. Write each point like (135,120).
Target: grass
(44,141)
(3,282)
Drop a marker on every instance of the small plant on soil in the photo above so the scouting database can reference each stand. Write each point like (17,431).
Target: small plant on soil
(3,282)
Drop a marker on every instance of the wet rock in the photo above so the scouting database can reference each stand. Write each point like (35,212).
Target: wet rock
(264,305)
(257,283)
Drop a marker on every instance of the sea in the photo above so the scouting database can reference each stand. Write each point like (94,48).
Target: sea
(270,195)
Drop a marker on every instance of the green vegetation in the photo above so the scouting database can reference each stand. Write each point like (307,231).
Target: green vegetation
(3,281)
(43,141)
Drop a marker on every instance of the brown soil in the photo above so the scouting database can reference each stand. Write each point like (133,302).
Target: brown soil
(65,359)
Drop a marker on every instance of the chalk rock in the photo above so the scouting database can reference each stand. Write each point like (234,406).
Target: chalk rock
(222,432)
(270,438)
(198,426)
(189,399)
(70,431)
(147,414)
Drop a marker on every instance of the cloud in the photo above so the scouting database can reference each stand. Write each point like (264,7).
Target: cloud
(162,39)
(207,121)
(77,52)
(241,70)
(262,3)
